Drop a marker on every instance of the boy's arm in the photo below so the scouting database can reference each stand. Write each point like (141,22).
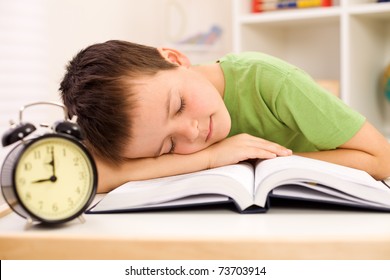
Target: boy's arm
(368,150)
(228,151)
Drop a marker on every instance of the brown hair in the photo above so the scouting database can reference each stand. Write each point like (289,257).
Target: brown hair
(97,89)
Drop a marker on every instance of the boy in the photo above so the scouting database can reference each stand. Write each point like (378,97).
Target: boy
(147,112)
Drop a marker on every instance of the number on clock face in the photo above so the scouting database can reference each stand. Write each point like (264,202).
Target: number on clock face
(54,178)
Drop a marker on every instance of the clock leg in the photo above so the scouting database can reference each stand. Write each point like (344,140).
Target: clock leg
(29,223)
(81,219)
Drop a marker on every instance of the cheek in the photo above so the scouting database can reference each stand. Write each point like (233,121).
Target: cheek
(195,102)
(202,102)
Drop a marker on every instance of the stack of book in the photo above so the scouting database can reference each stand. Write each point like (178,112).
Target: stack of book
(271,5)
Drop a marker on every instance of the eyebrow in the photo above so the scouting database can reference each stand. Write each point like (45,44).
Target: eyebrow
(168,110)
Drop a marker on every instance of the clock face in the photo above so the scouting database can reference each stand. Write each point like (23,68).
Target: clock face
(54,178)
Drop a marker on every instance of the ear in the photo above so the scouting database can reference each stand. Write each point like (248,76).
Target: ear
(174,56)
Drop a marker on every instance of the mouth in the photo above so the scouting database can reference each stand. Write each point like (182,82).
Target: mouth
(210,130)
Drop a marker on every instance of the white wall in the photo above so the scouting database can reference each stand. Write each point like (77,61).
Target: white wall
(38,38)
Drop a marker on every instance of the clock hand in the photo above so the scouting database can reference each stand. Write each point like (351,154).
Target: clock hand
(41,181)
(52,163)
(51,179)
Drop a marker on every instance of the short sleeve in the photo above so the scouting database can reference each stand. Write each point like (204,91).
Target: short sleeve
(324,119)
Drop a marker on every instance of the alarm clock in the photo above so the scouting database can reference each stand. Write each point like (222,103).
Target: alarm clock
(51,177)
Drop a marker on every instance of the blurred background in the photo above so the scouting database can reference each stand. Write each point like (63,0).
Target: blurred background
(39,37)
(343,44)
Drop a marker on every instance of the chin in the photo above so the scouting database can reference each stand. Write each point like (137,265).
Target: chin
(221,130)
(220,137)
(226,132)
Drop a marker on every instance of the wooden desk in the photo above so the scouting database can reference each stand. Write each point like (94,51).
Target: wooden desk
(282,233)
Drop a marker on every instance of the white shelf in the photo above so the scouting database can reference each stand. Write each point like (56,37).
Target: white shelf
(292,16)
(380,10)
(349,42)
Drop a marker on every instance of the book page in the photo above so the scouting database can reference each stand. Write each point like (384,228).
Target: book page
(235,181)
(321,193)
(267,167)
(297,170)
(190,200)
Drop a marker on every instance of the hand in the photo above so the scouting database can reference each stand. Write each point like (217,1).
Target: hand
(242,147)
(52,162)
(51,179)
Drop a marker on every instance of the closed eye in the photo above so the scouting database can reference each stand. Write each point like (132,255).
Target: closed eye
(182,106)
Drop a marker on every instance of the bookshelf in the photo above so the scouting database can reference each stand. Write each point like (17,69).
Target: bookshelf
(348,42)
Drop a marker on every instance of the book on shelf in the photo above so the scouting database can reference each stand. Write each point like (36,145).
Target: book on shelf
(271,5)
(251,187)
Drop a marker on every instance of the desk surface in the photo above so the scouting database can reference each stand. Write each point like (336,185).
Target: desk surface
(282,233)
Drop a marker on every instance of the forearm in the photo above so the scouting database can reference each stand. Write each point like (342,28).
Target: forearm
(377,167)
(229,151)
(111,176)
(368,150)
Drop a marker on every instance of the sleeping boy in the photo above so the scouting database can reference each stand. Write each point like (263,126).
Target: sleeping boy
(148,112)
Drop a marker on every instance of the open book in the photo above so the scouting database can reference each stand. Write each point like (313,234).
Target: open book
(249,187)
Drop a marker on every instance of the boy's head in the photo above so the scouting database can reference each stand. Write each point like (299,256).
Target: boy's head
(97,89)
(136,101)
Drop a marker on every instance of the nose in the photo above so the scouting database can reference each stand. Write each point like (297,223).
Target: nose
(189,130)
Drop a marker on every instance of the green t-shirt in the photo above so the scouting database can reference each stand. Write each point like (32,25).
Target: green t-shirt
(269,98)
